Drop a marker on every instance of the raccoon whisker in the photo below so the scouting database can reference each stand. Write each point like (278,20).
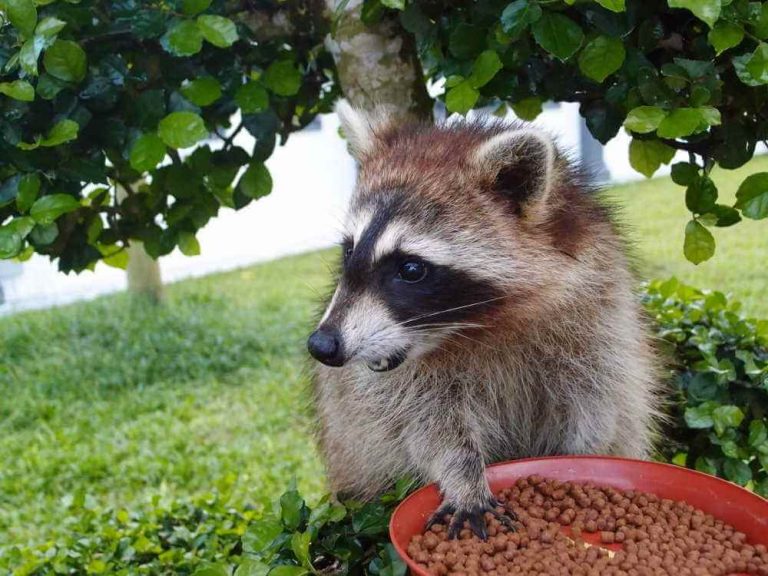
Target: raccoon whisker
(448,325)
(478,342)
(415,318)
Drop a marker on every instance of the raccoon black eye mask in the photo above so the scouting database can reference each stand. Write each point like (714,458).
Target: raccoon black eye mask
(414,298)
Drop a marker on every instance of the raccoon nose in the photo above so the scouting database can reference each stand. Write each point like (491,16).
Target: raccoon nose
(325,346)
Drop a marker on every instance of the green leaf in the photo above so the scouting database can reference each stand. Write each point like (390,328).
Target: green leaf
(757,65)
(706,465)
(183,39)
(256,182)
(727,416)
(737,471)
(558,35)
(300,542)
(181,129)
(47,209)
(49,27)
(752,196)
(115,256)
(22,225)
(22,14)
(706,10)
(218,30)
(646,156)
(10,243)
(760,26)
(194,7)
(485,68)
(740,66)
(188,244)
(699,243)
(518,15)
(725,215)
(18,90)
(202,91)
(613,5)
(725,35)
(679,123)
(710,115)
(644,119)
(601,57)
(286,570)
(29,54)
(527,108)
(701,195)
(394,4)
(147,152)
(700,417)
(291,506)
(66,61)
(44,234)
(758,433)
(283,78)
(212,570)
(29,188)
(261,534)
(252,98)
(685,173)
(461,98)
(251,567)
(63,131)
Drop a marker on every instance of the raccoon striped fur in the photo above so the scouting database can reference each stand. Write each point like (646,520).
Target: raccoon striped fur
(484,312)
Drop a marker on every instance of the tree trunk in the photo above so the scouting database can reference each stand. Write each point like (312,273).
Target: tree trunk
(377,64)
(144,278)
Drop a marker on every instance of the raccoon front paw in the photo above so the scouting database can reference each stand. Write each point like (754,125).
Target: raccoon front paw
(472,517)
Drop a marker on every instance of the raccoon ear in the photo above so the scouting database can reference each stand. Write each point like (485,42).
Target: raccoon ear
(360,127)
(522,162)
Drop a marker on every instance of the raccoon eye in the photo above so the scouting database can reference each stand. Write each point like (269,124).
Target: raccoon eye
(412,271)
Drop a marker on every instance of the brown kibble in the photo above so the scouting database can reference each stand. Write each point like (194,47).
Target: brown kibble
(656,537)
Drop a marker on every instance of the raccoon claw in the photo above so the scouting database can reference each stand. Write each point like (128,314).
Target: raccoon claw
(475,517)
(438,517)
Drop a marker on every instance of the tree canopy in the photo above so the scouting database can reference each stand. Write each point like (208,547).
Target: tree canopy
(99,96)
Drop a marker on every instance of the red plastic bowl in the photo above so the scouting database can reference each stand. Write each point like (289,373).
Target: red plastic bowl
(740,508)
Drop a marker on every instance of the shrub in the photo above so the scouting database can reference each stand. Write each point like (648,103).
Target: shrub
(206,537)
(719,404)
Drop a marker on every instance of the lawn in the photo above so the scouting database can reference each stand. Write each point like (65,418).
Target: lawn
(116,403)
(655,217)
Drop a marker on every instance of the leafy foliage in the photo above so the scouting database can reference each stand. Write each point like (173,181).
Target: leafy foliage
(98,95)
(207,537)
(719,409)
(90,82)
(678,75)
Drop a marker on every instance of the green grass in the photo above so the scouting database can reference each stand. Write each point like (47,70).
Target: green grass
(655,214)
(119,403)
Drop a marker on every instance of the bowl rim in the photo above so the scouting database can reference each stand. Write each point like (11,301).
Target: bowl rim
(417,570)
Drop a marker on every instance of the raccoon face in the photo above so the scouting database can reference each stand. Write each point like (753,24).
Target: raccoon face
(426,253)
(400,293)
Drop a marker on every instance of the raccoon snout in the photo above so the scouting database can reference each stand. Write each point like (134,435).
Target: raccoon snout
(325,346)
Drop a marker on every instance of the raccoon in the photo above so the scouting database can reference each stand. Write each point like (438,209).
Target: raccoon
(484,311)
